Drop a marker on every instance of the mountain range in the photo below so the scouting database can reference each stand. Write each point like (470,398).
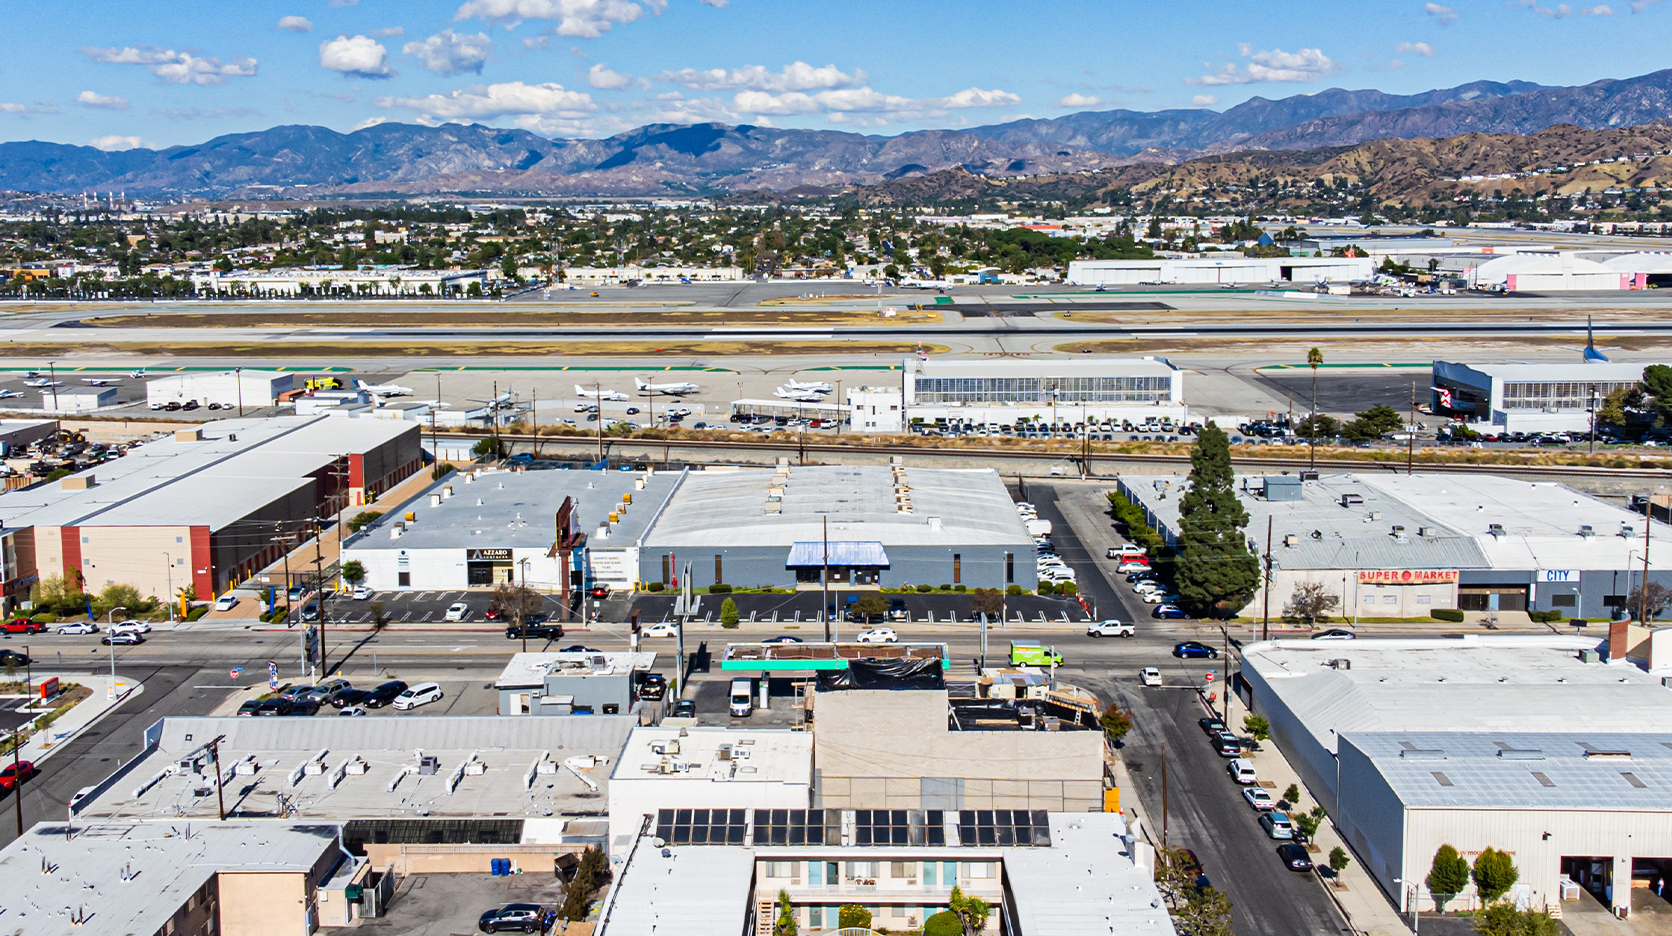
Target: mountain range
(664,159)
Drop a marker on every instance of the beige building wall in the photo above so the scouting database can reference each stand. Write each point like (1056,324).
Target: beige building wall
(137,556)
(465,859)
(265,903)
(49,551)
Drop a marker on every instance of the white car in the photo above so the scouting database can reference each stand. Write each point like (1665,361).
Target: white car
(1146,585)
(1130,566)
(456,611)
(79,627)
(422,694)
(130,627)
(1110,629)
(878,635)
(1258,798)
(226,602)
(1159,598)
(1055,574)
(361,592)
(660,629)
(1150,675)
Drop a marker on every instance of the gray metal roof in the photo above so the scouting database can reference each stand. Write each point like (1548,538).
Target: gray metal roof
(518,509)
(740,508)
(1523,770)
(1045,369)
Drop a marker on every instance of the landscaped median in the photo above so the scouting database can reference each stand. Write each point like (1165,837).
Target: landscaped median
(64,715)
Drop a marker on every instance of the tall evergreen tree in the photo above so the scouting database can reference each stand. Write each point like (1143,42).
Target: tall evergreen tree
(1215,570)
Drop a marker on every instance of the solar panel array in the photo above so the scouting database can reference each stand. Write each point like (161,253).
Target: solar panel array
(797,827)
(899,827)
(702,826)
(1004,827)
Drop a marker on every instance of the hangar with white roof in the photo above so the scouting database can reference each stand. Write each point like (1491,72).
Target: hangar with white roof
(1390,545)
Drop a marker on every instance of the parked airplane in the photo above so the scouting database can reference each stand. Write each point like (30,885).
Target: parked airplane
(138,374)
(1589,353)
(10,394)
(43,382)
(388,389)
(505,399)
(813,386)
(102,381)
(799,396)
(586,394)
(677,388)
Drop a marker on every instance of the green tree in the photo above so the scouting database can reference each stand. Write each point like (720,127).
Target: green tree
(988,601)
(1317,426)
(354,572)
(1448,874)
(1206,912)
(944,923)
(591,873)
(1292,794)
(1257,726)
(728,613)
(363,519)
(489,447)
(1115,722)
(1657,383)
(853,915)
(870,604)
(1309,602)
(1373,423)
(1612,411)
(785,925)
(1502,919)
(1338,860)
(1494,874)
(972,911)
(123,596)
(1215,572)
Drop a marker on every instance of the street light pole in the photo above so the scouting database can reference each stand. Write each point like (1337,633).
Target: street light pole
(169,598)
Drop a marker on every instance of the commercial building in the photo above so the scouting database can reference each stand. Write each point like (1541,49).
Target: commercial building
(714,771)
(550,529)
(16,435)
(417,793)
(1220,271)
(226,389)
(207,506)
(871,525)
(1558,271)
(78,399)
(572,683)
(1389,545)
(1374,244)
(615,276)
(1528,397)
(1533,745)
(229,879)
(368,282)
(1044,874)
(1135,390)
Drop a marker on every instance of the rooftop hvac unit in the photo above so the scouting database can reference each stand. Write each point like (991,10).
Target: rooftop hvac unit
(1351,500)
(1375,515)
(428,764)
(1587,530)
(1495,529)
(1627,531)
(1291,540)
(1398,532)
(1341,663)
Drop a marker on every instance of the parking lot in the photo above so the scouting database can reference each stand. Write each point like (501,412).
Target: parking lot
(802,607)
(450,904)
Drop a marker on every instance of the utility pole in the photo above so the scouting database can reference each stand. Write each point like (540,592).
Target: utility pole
(825,613)
(1643,593)
(433,408)
(17,777)
(1593,440)
(597,389)
(220,797)
(238,378)
(1163,796)
(1411,432)
(841,408)
(1265,615)
(319,586)
(1225,675)
(1314,357)
(52,381)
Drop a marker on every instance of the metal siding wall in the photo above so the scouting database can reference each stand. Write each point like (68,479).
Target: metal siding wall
(1371,817)
(1312,761)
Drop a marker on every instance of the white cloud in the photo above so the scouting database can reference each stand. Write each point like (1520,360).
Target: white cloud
(508,99)
(1080,100)
(600,76)
(338,4)
(1444,14)
(115,143)
(1302,65)
(796,76)
(586,19)
(1562,10)
(355,56)
(1638,6)
(99,101)
(176,67)
(295,23)
(1204,100)
(448,53)
(867,101)
(1420,48)
(39,107)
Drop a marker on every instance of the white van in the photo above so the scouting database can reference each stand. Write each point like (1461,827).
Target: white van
(421,694)
(742,697)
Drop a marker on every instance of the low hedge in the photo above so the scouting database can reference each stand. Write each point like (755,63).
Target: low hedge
(1447,614)
(719,589)
(1542,617)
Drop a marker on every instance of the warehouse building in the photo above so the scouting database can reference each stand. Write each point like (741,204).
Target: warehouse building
(226,389)
(1528,397)
(207,506)
(901,865)
(1388,545)
(571,683)
(871,525)
(1533,745)
(1561,271)
(1002,393)
(1228,271)
(551,530)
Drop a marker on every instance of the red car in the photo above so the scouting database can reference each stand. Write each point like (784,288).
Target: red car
(600,591)
(23,626)
(13,773)
(492,614)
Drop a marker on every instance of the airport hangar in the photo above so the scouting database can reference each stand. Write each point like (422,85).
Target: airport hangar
(205,506)
(885,525)
(1541,746)
(1404,545)
(1221,271)
(1528,397)
(1137,390)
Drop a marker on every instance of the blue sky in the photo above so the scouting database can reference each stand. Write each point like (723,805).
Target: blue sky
(123,73)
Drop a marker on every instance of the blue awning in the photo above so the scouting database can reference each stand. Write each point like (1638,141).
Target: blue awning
(850,554)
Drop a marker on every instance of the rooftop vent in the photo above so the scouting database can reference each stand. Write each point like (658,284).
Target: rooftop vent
(1627,531)
(1291,540)
(1423,754)
(1495,529)
(1608,755)
(1351,500)
(1398,532)
(1520,754)
(1587,530)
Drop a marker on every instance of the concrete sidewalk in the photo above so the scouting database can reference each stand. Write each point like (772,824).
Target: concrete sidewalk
(107,694)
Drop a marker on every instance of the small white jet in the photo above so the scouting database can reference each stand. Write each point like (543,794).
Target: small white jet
(387,389)
(102,381)
(813,386)
(10,394)
(138,374)
(676,388)
(505,399)
(799,396)
(586,394)
(43,382)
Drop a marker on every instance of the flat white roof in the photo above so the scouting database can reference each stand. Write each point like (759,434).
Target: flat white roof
(531,669)
(716,755)
(699,890)
(1558,373)
(1474,683)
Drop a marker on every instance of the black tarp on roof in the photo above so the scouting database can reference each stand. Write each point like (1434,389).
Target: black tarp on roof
(885,674)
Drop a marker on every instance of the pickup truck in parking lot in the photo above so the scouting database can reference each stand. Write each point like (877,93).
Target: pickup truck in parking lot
(1110,629)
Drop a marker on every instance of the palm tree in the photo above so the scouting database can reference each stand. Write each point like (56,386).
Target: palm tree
(1314,357)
